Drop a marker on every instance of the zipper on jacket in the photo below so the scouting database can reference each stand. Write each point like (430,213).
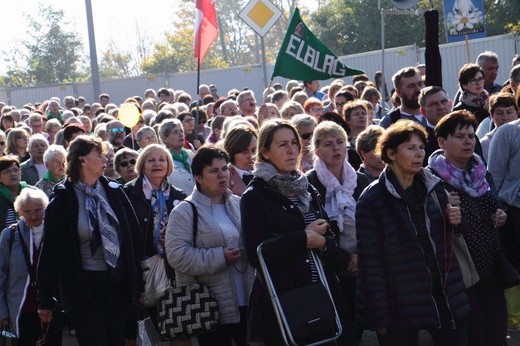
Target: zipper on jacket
(429,272)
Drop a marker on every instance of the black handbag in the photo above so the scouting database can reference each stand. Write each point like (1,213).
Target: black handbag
(189,310)
(507,271)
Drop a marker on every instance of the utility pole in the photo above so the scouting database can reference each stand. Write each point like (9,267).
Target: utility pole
(93,54)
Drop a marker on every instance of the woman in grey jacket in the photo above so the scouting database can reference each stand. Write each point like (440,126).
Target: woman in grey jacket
(17,286)
(216,257)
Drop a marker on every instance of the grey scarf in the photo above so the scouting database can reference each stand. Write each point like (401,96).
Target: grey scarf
(103,223)
(290,185)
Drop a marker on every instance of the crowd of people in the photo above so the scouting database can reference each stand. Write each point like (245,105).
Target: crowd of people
(408,203)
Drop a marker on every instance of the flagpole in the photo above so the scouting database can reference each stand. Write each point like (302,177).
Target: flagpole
(197,93)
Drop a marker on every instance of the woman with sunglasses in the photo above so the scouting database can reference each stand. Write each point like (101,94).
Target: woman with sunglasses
(153,198)
(305,125)
(124,163)
(191,139)
(473,96)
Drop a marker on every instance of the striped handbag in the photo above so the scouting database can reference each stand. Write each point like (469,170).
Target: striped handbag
(189,310)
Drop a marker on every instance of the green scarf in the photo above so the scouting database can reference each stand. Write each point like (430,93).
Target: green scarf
(48,176)
(5,192)
(182,158)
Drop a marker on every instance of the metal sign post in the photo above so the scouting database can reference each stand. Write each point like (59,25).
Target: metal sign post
(261,15)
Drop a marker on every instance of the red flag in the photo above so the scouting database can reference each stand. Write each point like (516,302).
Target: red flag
(206,29)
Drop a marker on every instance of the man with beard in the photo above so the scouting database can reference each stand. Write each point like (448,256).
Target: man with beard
(408,84)
(116,134)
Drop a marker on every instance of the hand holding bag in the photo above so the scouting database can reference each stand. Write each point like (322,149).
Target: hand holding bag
(189,310)
(155,278)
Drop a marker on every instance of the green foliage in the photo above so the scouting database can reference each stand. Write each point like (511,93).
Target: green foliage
(50,55)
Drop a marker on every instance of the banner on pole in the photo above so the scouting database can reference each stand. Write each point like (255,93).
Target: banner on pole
(303,57)
(464,17)
(206,28)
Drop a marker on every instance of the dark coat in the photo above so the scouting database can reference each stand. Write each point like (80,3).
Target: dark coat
(267,214)
(479,113)
(394,288)
(4,206)
(60,259)
(143,211)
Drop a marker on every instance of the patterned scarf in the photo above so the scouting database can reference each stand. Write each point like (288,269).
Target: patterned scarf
(102,223)
(290,185)
(157,200)
(472,181)
(481,101)
(182,158)
(339,201)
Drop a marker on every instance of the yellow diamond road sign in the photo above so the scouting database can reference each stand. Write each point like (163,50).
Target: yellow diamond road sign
(260,15)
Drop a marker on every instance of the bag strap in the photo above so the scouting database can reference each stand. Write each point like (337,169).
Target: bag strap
(170,272)
(25,250)
(195,220)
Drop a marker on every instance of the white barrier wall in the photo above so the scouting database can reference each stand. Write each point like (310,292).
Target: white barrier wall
(453,57)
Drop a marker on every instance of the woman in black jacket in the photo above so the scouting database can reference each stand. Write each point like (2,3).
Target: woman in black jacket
(408,277)
(280,204)
(88,244)
(153,198)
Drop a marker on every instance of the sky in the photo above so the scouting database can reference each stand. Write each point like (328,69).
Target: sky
(114,20)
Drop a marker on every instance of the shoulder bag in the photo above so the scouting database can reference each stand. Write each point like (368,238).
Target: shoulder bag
(188,310)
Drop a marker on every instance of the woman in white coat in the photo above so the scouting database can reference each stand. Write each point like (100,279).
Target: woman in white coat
(216,257)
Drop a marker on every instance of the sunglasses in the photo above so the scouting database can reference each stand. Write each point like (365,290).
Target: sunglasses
(125,164)
(118,129)
(306,135)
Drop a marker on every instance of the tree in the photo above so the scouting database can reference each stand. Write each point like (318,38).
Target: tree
(52,53)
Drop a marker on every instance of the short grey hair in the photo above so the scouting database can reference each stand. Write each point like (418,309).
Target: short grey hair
(52,151)
(52,123)
(37,137)
(167,127)
(28,193)
(302,120)
(487,56)
(143,131)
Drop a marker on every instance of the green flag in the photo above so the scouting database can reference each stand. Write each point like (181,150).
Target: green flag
(303,57)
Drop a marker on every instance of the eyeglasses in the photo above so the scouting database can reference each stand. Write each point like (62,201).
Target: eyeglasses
(475,81)
(316,109)
(306,135)
(34,212)
(12,170)
(118,129)
(188,120)
(22,137)
(125,164)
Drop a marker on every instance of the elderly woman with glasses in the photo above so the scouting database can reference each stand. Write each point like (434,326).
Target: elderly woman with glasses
(54,159)
(145,136)
(171,134)
(20,246)
(17,143)
(10,187)
(124,164)
(473,96)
